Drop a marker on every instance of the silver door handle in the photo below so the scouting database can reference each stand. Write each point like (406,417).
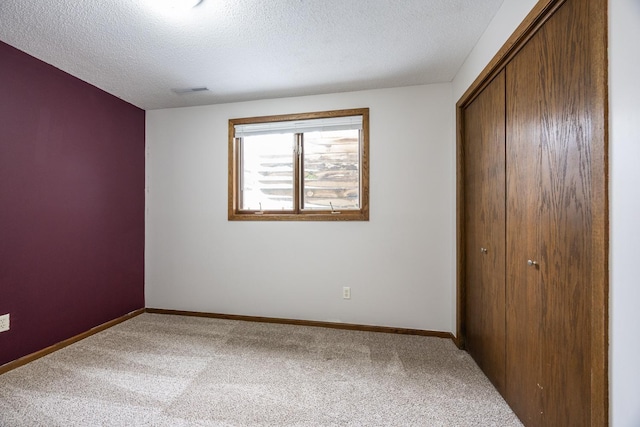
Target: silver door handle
(483,250)
(532,263)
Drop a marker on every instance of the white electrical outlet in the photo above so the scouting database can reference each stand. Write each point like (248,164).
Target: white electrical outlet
(4,322)
(346,292)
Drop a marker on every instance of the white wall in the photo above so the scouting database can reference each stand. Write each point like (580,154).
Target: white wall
(624,199)
(507,19)
(399,264)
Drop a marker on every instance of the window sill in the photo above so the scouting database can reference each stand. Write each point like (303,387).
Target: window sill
(310,216)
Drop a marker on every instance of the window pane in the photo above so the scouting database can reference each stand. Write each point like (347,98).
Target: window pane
(267,172)
(331,170)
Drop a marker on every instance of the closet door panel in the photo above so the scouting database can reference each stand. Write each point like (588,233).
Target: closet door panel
(485,230)
(549,92)
(565,241)
(523,292)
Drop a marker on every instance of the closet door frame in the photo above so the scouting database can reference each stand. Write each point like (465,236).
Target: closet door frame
(540,13)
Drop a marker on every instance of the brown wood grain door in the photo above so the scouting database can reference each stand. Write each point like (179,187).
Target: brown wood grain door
(484,153)
(550,131)
(565,242)
(523,293)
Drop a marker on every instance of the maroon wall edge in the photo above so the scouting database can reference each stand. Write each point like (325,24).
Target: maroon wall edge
(71,205)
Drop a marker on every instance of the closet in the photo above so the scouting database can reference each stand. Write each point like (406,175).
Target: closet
(532,218)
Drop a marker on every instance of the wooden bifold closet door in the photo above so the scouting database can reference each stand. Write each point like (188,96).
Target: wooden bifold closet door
(549,222)
(534,179)
(485,230)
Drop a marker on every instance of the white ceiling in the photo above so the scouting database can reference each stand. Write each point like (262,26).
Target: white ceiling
(247,49)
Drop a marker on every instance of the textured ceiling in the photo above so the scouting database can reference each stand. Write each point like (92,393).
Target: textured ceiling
(247,49)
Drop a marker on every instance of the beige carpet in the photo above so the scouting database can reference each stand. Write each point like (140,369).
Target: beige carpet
(162,370)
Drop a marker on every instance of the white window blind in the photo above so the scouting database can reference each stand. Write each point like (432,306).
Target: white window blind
(299,126)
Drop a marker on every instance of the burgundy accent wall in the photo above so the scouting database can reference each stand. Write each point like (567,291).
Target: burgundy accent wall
(71,205)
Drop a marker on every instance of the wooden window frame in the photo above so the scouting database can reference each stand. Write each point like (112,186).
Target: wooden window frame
(298,214)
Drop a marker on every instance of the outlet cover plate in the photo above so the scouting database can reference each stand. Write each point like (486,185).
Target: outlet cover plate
(4,322)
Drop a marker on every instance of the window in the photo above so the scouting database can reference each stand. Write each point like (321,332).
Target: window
(312,166)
